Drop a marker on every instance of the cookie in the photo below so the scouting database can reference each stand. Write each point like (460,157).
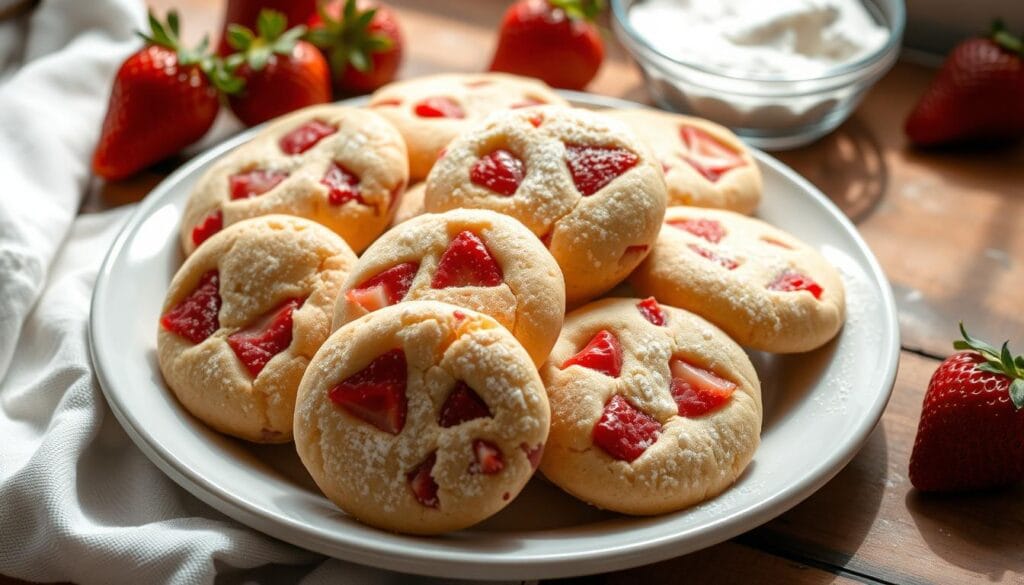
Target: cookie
(765,288)
(242,318)
(653,409)
(580,181)
(410,205)
(421,417)
(472,258)
(430,111)
(341,167)
(705,164)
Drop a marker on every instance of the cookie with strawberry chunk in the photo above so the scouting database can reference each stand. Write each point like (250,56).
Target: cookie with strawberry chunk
(653,409)
(430,111)
(342,167)
(472,258)
(411,204)
(242,318)
(705,164)
(762,286)
(422,417)
(580,181)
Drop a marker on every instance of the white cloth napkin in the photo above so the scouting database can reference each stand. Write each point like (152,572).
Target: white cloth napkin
(78,501)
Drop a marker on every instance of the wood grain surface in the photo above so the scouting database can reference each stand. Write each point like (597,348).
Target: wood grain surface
(947,227)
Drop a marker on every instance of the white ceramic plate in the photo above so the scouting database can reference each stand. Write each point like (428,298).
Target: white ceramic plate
(819,409)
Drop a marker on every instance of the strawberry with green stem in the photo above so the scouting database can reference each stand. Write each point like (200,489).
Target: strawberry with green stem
(978,94)
(971,434)
(279,72)
(555,41)
(361,41)
(165,97)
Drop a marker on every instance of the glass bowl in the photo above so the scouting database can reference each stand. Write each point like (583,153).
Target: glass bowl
(771,113)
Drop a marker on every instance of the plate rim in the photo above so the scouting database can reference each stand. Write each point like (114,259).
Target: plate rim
(439,563)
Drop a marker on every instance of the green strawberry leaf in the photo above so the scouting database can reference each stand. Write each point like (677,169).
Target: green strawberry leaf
(239,37)
(990,368)
(1017,393)
(270,24)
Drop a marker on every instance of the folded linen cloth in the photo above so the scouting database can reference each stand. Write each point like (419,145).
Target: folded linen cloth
(78,501)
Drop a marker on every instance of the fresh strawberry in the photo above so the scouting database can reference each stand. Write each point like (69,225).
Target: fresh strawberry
(280,72)
(603,354)
(246,13)
(361,40)
(553,40)
(376,394)
(466,262)
(593,167)
(164,99)
(971,434)
(978,94)
(624,431)
(463,404)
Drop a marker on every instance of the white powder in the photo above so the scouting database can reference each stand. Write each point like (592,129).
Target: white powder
(796,39)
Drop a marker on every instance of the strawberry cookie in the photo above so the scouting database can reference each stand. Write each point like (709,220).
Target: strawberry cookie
(341,167)
(705,164)
(411,204)
(653,409)
(430,111)
(472,258)
(422,417)
(577,179)
(762,286)
(242,319)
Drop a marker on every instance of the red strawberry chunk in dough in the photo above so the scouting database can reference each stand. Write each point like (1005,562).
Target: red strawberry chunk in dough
(623,431)
(603,354)
(386,288)
(196,316)
(342,185)
(533,454)
(439,107)
(698,391)
(256,345)
(792,281)
(488,458)
(707,155)
(305,137)
(423,486)
(708,229)
(376,394)
(466,262)
(210,225)
(462,404)
(593,167)
(723,261)
(651,311)
(253,183)
(500,171)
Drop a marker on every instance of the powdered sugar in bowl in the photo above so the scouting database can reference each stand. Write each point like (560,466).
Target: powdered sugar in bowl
(780,74)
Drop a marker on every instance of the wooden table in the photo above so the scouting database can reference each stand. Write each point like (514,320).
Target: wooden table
(948,228)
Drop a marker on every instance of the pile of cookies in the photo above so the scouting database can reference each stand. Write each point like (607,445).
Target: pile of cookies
(413,342)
